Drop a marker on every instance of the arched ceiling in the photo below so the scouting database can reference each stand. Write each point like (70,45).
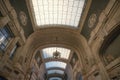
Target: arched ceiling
(55,31)
(55,37)
(62,37)
(52,57)
(55,59)
(52,35)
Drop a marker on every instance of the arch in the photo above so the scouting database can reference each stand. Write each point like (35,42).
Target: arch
(63,37)
(109,38)
(107,43)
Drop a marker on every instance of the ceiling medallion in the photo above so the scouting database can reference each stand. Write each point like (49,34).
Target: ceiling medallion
(56,54)
(23,18)
(92,20)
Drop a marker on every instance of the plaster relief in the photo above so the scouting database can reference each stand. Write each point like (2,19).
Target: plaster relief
(92,20)
(23,18)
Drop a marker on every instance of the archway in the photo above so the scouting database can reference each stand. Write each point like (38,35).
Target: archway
(110,53)
(56,37)
(109,50)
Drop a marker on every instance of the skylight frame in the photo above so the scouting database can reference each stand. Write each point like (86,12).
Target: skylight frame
(55,64)
(57,11)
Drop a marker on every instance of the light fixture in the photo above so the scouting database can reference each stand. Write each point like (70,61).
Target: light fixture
(56,54)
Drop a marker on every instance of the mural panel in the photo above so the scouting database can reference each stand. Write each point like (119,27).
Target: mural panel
(20,7)
(96,8)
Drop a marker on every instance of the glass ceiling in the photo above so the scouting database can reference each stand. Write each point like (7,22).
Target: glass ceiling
(62,12)
(55,71)
(48,52)
(53,64)
(55,78)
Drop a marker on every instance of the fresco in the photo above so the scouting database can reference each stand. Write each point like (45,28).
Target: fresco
(23,16)
(94,12)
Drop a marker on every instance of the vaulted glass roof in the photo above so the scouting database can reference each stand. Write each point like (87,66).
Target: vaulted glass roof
(48,52)
(55,78)
(62,12)
(53,64)
(54,71)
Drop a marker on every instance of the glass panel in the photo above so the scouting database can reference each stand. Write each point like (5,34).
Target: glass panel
(48,52)
(55,71)
(56,10)
(12,53)
(55,78)
(5,35)
(53,64)
(2,38)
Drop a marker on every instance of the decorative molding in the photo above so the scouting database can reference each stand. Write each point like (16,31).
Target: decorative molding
(23,18)
(107,20)
(92,20)
(84,14)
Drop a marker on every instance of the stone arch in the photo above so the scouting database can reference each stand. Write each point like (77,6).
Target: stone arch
(64,37)
(109,39)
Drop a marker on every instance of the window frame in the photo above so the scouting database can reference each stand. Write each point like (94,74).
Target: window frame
(7,34)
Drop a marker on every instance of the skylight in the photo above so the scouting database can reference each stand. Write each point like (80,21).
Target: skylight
(55,78)
(55,71)
(62,12)
(48,52)
(53,64)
